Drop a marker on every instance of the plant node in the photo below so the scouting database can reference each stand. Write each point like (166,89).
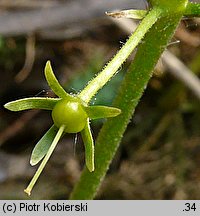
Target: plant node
(170,7)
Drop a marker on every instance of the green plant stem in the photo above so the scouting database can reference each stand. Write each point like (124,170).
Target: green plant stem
(45,160)
(104,76)
(149,51)
(192,9)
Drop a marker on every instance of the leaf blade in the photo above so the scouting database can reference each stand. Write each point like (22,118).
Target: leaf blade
(53,82)
(32,103)
(96,112)
(53,145)
(89,146)
(42,147)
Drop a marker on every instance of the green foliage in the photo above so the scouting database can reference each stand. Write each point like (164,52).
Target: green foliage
(71,113)
(32,103)
(131,90)
(42,147)
(54,84)
(192,9)
(97,112)
(171,7)
(89,146)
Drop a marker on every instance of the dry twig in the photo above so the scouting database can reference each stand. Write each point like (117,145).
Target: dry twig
(29,61)
(15,127)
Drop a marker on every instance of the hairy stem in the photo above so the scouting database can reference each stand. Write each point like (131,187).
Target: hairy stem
(104,76)
(149,51)
(192,9)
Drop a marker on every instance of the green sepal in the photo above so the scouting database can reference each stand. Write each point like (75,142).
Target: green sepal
(89,146)
(42,147)
(97,112)
(32,103)
(50,150)
(53,82)
(133,14)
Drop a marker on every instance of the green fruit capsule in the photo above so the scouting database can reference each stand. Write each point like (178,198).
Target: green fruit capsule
(70,114)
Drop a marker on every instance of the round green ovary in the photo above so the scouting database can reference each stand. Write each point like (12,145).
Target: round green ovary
(70,114)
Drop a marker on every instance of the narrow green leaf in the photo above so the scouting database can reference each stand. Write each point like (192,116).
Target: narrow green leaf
(53,82)
(89,146)
(59,133)
(43,145)
(96,112)
(32,103)
(133,14)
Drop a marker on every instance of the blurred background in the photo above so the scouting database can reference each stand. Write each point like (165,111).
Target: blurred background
(159,157)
